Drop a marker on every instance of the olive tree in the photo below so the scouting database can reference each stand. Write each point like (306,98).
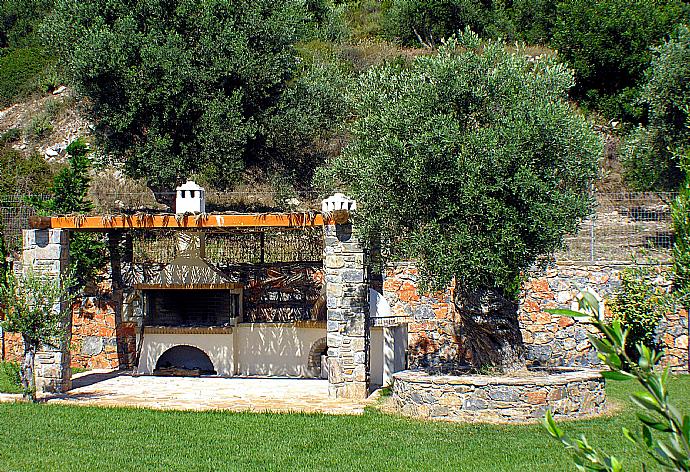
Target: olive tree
(33,305)
(182,87)
(473,163)
(652,153)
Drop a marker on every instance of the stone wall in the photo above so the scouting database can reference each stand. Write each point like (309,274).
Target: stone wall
(432,339)
(499,399)
(549,340)
(561,341)
(98,342)
(12,347)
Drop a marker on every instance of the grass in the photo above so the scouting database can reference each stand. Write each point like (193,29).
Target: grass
(68,438)
(9,378)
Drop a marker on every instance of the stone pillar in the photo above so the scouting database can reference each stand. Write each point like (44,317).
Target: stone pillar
(347,302)
(46,251)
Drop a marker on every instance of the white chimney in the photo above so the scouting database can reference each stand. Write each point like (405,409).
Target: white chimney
(338,202)
(190,198)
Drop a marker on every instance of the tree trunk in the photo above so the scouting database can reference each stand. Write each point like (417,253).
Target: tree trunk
(489,330)
(27,371)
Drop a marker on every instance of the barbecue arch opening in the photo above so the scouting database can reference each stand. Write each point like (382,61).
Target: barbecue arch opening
(184,360)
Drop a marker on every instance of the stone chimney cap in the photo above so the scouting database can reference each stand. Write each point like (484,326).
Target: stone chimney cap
(338,202)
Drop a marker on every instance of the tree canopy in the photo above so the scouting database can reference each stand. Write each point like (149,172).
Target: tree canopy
(608,44)
(182,87)
(652,155)
(470,161)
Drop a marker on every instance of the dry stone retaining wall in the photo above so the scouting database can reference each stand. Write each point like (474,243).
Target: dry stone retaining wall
(561,341)
(549,340)
(568,394)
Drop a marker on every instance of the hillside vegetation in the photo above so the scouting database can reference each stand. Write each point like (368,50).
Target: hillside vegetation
(254,95)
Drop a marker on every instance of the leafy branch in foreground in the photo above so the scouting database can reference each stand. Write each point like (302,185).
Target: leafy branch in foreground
(665,432)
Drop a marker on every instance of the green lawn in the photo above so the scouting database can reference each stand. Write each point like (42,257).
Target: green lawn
(61,438)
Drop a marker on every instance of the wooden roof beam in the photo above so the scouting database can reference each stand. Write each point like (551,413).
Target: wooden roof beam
(169,221)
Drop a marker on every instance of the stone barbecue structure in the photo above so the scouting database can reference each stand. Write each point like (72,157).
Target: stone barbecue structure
(294,295)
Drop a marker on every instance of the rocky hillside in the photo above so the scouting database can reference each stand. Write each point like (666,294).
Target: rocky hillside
(45,124)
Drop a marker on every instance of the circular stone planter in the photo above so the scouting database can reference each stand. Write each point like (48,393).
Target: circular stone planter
(567,392)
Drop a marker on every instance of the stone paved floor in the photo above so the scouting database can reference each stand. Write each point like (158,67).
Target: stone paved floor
(103,388)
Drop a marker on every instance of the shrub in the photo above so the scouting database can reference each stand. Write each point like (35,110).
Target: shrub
(652,153)
(305,117)
(10,377)
(23,72)
(10,136)
(665,432)
(680,213)
(19,19)
(533,20)
(365,17)
(639,305)
(39,127)
(426,23)
(35,307)
(327,21)
(608,44)
(70,188)
(23,175)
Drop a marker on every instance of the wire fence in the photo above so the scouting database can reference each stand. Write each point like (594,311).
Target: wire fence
(14,217)
(631,226)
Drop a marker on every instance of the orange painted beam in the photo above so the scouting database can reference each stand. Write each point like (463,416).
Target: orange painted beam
(144,221)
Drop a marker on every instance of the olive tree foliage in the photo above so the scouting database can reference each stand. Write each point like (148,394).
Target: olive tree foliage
(19,19)
(652,153)
(471,162)
(34,306)
(181,87)
(426,23)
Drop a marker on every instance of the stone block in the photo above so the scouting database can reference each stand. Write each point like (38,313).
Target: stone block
(333,302)
(439,411)
(334,340)
(474,404)
(332,326)
(334,262)
(504,395)
(334,290)
(355,390)
(353,276)
(92,345)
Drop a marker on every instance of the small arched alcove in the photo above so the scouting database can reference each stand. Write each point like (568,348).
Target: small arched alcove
(317,359)
(182,359)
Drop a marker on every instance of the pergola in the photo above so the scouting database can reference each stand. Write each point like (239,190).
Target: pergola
(46,245)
